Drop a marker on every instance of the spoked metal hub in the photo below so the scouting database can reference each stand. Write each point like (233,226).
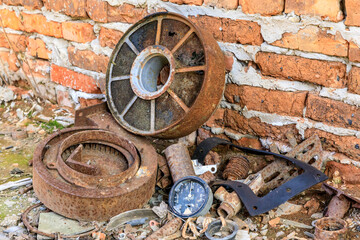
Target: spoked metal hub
(165,77)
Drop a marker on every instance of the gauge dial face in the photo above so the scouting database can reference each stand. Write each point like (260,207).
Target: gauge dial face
(189,196)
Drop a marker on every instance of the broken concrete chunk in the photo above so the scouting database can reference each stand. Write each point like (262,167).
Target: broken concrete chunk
(6,95)
(287,209)
(54,223)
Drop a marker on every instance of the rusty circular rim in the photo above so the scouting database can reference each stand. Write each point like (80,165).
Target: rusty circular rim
(106,138)
(192,114)
(91,204)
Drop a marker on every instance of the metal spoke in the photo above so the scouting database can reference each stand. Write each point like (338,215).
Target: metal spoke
(158,31)
(178,100)
(152,118)
(181,42)
(191,69)
(132,46)
(120,78)
(128,106)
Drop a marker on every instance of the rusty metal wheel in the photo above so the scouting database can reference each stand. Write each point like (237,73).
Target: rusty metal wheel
(165,77)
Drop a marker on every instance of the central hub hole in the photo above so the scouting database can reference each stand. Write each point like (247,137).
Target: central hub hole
(155,73)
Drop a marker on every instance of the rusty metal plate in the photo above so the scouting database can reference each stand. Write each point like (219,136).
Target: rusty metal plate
(165,77)
(87,173)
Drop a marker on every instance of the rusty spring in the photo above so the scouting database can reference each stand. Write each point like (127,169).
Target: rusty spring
(237,168)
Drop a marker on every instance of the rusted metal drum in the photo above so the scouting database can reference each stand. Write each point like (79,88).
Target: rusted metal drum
(87,173)
(165,77)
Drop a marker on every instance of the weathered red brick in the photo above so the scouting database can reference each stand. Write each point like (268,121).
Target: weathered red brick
(32,4)
(9,59)
(37,48)
(89,102)
(88,60)
(125,13)
(78,32)
(229,60)
(325,73)
(249,142)
(13,2)
(18,42)
(72,79)
(227,4)
(352,12)
(264,100)
(74,8)
(264,7)
(354,80)
(97,10)
(313,39)
(217,119)
(347,145)
(227,30)
(254,126)
(354,52)
(11,20)
(326,9)
(38,23)
(109,37)
(63,99)
(188,2)
(332,112)
(37,68)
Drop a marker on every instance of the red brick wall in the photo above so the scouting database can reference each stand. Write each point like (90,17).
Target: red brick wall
(291,65)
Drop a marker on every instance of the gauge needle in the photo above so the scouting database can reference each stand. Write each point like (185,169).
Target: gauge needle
(191,188)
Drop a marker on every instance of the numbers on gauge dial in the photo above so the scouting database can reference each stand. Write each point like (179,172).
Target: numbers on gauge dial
(189,197)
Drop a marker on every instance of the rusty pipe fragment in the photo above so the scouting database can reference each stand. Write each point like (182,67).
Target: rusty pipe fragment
(230,203)
(338,207)
(179,160)
(330,229)
(169,228)
(237,168)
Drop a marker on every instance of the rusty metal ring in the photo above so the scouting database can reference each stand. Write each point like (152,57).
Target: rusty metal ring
(165,77)
(91,203)
(50,235)
(93,179)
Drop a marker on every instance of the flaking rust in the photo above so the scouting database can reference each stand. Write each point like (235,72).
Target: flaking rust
(279,172)
(164,71)
(331,229)
(129,179)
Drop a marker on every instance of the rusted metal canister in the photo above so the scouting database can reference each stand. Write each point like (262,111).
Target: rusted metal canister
(330,229)
(178,158)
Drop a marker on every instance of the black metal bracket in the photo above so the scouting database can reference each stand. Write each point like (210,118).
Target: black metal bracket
(257,205)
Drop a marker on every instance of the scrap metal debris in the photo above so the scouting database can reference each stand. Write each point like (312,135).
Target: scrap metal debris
(99,171)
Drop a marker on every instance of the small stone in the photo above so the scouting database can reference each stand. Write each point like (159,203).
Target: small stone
(20,113)
(317,215)
(252,226)
(42,132)
(6,95)
(16,171)
(279,234)
(10,220)
(287,209)
(19,135)
(274,222)
(264,232)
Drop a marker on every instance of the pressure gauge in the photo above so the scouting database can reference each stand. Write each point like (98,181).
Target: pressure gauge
(190,197)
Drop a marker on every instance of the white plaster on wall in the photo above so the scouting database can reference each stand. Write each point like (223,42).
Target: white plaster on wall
(242,76)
